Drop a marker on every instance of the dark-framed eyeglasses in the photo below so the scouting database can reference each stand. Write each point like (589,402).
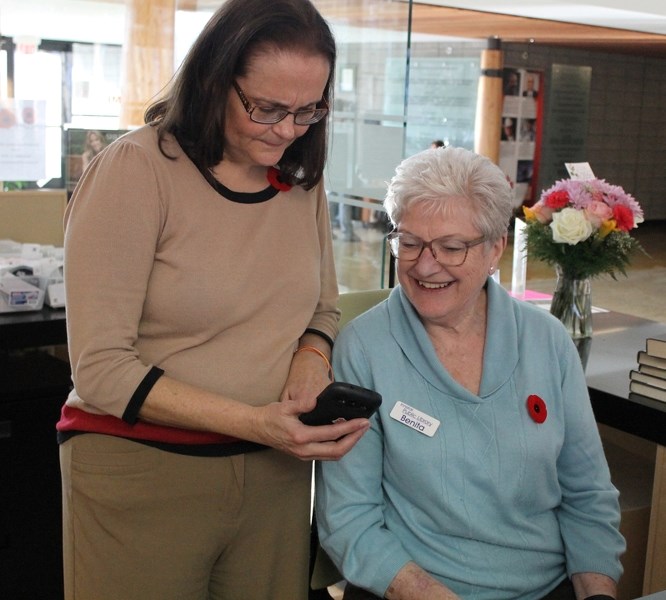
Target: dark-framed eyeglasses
(270,116)
(447,252)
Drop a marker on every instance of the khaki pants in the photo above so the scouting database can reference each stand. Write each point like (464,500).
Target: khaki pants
(142,524)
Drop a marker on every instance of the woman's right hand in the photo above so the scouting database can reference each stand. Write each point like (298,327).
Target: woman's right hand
(177,404)
(278,426)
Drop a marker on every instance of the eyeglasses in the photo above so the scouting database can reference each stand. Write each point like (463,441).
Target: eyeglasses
(447,252)
(270,116)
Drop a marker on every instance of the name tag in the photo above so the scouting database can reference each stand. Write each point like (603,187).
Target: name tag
(415,419)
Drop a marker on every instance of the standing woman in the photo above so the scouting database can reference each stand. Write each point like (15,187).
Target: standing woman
(201,310)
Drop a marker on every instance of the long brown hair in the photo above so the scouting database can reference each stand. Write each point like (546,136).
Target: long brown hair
(193,108)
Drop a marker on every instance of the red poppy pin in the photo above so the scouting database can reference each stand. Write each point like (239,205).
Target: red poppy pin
(273,177)
(537,408)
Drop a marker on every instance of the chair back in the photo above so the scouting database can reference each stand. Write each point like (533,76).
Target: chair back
(352,304)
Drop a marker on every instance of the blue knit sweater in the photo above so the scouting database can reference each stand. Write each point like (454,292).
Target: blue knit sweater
(494,504)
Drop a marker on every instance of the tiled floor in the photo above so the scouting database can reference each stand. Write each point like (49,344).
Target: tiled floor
(360,265)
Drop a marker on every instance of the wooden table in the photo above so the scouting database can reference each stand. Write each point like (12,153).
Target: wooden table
(616,340)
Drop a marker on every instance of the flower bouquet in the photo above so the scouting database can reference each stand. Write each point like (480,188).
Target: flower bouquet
(581,227)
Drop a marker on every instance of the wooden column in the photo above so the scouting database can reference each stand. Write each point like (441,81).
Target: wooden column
(148,55)
(655,561)
(488,125)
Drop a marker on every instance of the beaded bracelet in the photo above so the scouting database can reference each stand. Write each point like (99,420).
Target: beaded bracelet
(320,353)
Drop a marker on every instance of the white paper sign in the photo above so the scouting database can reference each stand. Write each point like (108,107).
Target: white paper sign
(579,170)
(22,140)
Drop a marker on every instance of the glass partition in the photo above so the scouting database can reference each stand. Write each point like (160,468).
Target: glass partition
(443,86)
(38,79)
(95,85)
(367,131)
(396,92)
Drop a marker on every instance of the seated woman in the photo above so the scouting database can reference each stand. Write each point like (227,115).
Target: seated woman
(483,475)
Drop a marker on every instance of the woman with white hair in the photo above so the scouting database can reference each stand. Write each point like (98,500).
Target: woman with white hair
(483,475)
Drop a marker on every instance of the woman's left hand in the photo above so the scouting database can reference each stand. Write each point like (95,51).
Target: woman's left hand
(308,376)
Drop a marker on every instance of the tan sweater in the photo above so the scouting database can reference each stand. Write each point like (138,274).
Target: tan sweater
(162,271)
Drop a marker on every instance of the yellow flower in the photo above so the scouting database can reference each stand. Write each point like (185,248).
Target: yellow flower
(606,227)
(530,215)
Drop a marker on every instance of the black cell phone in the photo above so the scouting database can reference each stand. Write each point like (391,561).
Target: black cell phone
(342,401)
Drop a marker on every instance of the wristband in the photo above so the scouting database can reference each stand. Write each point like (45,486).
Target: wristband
(321,334)
(600,597)
(320,353)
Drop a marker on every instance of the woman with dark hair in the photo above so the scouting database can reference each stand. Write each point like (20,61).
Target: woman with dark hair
(201,313)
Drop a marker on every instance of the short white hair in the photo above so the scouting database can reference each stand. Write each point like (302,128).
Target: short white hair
(440,179)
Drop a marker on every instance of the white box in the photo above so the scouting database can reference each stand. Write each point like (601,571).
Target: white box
(17,294)
(55,295)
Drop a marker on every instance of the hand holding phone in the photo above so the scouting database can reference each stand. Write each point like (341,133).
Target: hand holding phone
(342,401)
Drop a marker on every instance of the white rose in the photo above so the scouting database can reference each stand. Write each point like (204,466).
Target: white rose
(570,226)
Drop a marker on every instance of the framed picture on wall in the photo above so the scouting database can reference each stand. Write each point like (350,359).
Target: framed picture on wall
(521,128)
(82,145)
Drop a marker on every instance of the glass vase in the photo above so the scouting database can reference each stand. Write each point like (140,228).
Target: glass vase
(572,305)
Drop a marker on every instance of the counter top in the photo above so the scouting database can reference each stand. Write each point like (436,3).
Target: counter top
(31,329)
(616,341)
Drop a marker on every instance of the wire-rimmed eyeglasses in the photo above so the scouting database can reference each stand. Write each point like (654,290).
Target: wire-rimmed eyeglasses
(447,252)
(270,116)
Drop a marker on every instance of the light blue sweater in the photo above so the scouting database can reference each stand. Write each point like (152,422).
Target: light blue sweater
(494,505)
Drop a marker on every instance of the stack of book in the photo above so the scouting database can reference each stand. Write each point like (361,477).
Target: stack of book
(649,380)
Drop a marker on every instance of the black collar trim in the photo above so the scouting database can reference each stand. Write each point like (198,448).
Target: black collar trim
(245,197)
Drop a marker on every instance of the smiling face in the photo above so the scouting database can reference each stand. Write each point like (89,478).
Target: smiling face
(95,141)
(446,295)
(274,79)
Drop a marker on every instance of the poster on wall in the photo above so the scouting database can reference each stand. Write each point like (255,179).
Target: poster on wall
(520,133)
(22,140)
(82,145)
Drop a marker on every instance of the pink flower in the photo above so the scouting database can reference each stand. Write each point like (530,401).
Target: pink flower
(540,212)
(598,212)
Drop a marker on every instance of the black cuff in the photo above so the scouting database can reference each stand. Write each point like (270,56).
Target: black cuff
(131,414)
(600,597)
(321,334)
